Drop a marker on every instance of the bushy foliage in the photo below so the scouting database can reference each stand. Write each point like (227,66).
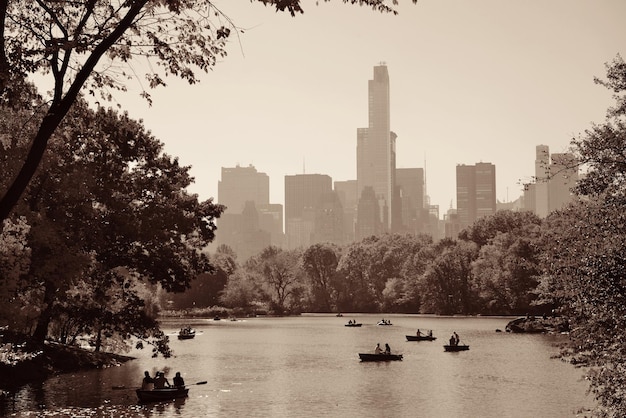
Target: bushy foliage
(585,262)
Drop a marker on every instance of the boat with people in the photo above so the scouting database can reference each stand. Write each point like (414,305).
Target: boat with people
(353,323)
(384,322)
(186,333)
(456,347)
(379,357)
(420,338)
(164,394)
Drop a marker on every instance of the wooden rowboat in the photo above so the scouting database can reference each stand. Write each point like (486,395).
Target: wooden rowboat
(379,357)
(420,338)
(186,333)
(456,347)
(164,394)
(353,325)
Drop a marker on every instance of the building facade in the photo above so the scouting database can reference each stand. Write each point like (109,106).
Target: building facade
(376,148)
(555,176)
(475,192)
(303,198)
(249,223)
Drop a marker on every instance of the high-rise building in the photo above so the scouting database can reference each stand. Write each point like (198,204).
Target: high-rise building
(376,148)
(241,184)
(329,222)
(368,216)
(250,222)
(410,186)
(348,197)
(555,176)
(475,192)
(563,177)
(303,197)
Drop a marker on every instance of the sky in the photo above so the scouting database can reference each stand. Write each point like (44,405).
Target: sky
(471,81)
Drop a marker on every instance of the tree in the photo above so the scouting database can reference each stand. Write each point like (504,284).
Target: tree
(70,41)
(320,265)
(448,285)
(507,272)
(585,263)
(279,271)
(503,221)
(107,212)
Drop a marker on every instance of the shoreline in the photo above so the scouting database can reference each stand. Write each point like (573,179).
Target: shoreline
(53,359)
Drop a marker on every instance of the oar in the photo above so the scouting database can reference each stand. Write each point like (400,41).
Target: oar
(204,382)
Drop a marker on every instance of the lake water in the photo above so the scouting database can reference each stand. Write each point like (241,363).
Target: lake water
(308,366)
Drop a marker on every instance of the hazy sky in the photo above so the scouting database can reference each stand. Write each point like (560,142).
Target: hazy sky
(471,81)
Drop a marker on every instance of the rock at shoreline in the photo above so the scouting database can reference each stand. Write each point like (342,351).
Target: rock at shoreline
(538,324)
(19,368)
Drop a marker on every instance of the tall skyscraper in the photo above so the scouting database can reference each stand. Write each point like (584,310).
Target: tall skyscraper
(303,197)
(475,192)
(376,148)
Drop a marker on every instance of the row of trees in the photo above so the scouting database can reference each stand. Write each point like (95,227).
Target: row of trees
(493,268)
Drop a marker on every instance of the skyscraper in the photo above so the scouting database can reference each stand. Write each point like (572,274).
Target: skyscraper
(475,192)
(303,197)
(410,183)
(376,148)
(241,184)
(249,222)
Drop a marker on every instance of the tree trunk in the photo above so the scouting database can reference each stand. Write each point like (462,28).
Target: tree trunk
(43,322)
(41,330)
(35,154)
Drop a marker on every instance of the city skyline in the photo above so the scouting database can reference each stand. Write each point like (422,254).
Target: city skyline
(480,82)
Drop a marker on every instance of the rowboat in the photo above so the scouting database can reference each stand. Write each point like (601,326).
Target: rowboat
(420,338)
(456,347)
(186,333)
(352,325)
(164,394)
(384,322)
(379,357)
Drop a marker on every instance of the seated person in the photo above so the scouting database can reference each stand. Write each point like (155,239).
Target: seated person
(147,382)
(160,381)
(178,381)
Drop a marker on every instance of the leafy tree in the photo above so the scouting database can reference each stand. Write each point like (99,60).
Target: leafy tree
(448,284)
(486,228)
(356,288)
(241,290)
(14,262)
(507,272)
(320,265)
(585,262)
(107,199)
(279,272)
(94,45)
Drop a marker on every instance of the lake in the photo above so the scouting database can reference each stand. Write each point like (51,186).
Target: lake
(308,366)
